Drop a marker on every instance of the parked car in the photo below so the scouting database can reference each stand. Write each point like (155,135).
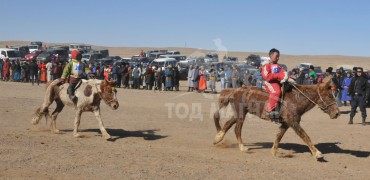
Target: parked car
(253,60)
(46,55)
(91,58)
(211,57)
(38,43)
(22,50)
(33,48)
(230,58)
(33,55)
(9,53)
(163,62)
(178,57)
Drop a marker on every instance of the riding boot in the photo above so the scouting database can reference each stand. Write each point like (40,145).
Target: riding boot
(350,120)
(71,92)
(364,121)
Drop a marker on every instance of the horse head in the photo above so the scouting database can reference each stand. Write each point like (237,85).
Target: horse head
(108,93)
(327,100)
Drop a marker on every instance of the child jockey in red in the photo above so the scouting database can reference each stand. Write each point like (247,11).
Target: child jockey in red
(273,75)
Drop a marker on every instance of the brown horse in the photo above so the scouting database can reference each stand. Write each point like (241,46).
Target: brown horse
(89,94)
(297,102)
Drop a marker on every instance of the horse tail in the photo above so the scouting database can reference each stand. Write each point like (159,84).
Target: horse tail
(48,99)
(224,100)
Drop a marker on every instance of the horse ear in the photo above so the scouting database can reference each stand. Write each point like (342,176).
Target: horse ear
(326,82)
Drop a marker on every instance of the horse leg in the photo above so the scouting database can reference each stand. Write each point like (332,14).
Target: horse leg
(77,123)
(221,134)
(216,119)
(101,125)
(301,133)
(282,129)
(54,116)
(42,111)
(238,132)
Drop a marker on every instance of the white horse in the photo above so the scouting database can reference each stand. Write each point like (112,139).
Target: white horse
(89,93)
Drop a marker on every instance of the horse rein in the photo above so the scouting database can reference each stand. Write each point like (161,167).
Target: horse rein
(101,97)
(318,91)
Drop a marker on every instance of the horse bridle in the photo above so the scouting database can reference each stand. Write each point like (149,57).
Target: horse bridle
(101,97)
(325,107)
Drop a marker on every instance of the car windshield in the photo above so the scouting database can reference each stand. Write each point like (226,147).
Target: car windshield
(12,54)
(87,56)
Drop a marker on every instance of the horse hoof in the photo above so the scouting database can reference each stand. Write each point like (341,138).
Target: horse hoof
(243,148)
(219,137)
(35,120)
(76,135)
(318,155)
(274,152)
(55,131)
(107,137)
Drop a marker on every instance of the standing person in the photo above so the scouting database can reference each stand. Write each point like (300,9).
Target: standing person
(195,77)
(26,68)
(34,72)
(158,79)
(169,77)
(49,70)
(212,80)
(228,73)
(148,77)
(121,67)
(59,71)
(345,85)
(1,68)
(359,89)
(202,80)
(43,73)
(258,77)
(294,74)
(235,77)
(190,77)
(274,75)
(114,72)
(17,71)
(136,72)
(176,78)
(6,69)
(312,73)
(75,69)
(301,77)
(337,88)
(125,76)
(222,78)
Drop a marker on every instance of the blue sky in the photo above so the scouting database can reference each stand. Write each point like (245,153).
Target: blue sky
(294,27)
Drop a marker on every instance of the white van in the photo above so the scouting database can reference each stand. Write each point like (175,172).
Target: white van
(164,62)
(9,53)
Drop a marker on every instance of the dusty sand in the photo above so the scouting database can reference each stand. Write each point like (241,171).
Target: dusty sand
(155,143)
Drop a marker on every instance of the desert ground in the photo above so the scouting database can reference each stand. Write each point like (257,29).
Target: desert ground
(170,135)
(155,138)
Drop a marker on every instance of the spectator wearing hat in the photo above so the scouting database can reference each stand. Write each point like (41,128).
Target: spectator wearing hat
(169,77)
(359,89)
(75,69)
(312,73)
(301,77)
(337,88)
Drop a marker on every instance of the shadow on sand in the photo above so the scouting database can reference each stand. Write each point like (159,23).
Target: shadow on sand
(325,148)
(120,133)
